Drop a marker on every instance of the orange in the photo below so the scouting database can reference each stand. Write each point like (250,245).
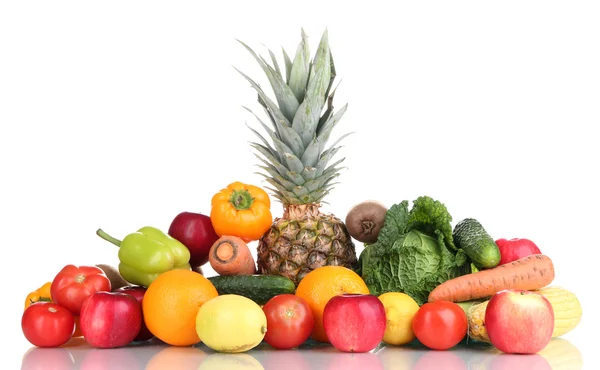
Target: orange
(323,283)
(171,303)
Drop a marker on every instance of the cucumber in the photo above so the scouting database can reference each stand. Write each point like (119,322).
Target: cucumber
(481,248)
(259,288)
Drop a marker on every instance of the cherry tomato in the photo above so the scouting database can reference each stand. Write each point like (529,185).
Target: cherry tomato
(46,324)
(73,285)
(440,325)
(289,321)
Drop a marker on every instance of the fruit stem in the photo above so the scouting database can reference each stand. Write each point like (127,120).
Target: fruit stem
(107,237)
(241,199)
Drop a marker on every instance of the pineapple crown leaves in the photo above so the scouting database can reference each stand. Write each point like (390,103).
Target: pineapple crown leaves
(301,121)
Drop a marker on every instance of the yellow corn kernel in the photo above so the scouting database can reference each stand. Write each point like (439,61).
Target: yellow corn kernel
(476,320)
(567,309)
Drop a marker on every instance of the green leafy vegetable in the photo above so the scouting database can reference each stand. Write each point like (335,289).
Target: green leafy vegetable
(414,251)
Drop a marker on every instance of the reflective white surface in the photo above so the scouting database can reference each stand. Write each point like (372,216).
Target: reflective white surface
(560,354)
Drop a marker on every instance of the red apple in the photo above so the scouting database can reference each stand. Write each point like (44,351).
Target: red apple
(196,232)
(138,292)
(515,248)
(354,322)
(110,319)
(519,321)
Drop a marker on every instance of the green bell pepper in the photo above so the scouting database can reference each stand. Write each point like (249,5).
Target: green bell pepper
(147,253)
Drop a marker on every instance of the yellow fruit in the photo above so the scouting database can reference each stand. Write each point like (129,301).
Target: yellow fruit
(231,361)
(323,283)
(400,308)
(231,323)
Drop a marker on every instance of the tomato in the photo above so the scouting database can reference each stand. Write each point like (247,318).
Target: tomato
(73,285)
(289,321)
(440,325)
(47,324)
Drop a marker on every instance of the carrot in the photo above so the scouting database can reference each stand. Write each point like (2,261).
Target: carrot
(528,273)
(230,255)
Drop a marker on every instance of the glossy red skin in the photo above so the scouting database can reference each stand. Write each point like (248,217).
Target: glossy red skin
(517,324)
(47,324)
(110,319)
(515,248)
(138,293)
(196,232)
(74,284)
(354,322)
(289,321)
(440,325)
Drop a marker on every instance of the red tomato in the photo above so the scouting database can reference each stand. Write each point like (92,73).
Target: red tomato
(440,325)
(47,324)
(73,285)
(289,321)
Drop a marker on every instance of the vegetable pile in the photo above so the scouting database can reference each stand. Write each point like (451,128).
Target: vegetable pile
(418,279)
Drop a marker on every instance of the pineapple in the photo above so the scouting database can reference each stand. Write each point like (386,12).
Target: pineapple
(297,164)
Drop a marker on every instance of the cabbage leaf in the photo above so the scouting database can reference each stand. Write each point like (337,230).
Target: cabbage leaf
(414,251)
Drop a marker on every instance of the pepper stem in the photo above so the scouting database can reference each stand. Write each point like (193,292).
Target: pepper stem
(241,199)
(107,237)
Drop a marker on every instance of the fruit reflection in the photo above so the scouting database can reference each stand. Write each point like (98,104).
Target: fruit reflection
(230,361)
(335,359)
(180,358)
(111,359)
(446,359)
(519,362)
(38,358)
(275,359)
(562,355)
(399,357)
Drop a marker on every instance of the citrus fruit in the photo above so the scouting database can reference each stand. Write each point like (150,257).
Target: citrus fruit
(400,308)
(171,303)
(231,323)
(323,283)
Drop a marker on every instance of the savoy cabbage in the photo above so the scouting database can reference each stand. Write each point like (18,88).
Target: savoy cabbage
(414,251)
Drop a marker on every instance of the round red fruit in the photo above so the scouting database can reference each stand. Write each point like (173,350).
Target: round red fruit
(440,325)
(46,324)
(289,321)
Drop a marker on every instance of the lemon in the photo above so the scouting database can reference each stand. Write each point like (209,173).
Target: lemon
(231,323)
(400,308)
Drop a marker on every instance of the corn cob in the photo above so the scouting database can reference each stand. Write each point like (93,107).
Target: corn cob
(566,306)
(476,316)
(567,309)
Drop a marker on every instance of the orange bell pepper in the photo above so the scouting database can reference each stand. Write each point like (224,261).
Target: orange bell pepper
(241,210)
(42,294)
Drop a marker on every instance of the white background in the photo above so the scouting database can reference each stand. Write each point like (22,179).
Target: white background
(123,114)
